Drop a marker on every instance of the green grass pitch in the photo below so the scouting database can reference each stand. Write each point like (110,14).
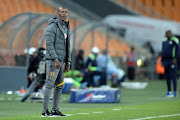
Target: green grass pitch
(135,105)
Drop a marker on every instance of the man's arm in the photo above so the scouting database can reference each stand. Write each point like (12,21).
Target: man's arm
(175,48)
(68,55)
(50,38)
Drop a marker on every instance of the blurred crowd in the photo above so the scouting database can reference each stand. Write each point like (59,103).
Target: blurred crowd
(99,69)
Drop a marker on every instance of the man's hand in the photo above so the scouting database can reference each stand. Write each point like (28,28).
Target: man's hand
(57,65)
(67,67)
(174,61)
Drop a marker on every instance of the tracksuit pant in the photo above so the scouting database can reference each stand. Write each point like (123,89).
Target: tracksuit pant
(170,73)
(90,80)
(54,79)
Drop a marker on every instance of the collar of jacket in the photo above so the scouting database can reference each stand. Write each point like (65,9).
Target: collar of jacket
(59,22)
(92,56)
(173,38)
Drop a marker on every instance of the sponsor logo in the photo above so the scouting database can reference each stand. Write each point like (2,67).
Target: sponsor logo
(52,74)
(98,97)
(91,96)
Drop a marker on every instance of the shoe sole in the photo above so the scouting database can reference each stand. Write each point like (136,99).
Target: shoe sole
(57,116)
(45,116)
(169,96)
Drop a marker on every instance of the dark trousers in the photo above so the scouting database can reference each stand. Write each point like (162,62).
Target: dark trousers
(170,74)
(89,78)
(131,73)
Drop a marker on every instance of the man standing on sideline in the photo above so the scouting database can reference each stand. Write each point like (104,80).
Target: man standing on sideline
(57,59)
(170,48)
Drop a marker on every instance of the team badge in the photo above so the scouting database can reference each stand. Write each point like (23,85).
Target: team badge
(170,42)
(52,74)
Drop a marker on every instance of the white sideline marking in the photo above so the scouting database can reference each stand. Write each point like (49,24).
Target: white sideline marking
(82,113)
(97,112)
(116,109)
(70,108)
(69,114)
(9,98)
(131,108)
(18,98)
(2,99)
(155,117)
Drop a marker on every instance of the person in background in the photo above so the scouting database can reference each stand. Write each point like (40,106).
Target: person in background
(131,64)
(92,69)
(36,72)
(170,48)
(106,64)
(32,54)
(79,63)
(150,48)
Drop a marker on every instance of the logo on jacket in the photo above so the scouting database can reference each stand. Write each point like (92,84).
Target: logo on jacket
(170,42)
(52,73)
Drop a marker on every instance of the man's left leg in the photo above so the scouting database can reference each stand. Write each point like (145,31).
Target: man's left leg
(174,78)
(58,91)
(102,75)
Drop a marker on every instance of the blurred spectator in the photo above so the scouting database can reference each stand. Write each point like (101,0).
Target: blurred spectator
(32,53)
(37,73)
(79,63)
(170,48)
(106,64)
(102,60)
(33,65)
(150,48)
(131,64)
(159,67)
(92,69)
(117,74)
(78,78)
(21,59)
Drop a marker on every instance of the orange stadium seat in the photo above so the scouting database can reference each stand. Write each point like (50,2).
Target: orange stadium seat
(130,4)
(148,3)
(177,16)
(159,10)
(141,1)
(158,3)
(168,4)
(177,4)
(170,13)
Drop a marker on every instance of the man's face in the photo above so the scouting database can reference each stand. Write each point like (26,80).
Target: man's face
(62,13)
(168,34)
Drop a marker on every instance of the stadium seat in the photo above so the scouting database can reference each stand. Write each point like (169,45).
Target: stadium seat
(148,3)
(141,1)
(159,10)
(168,4)
(176,15)
(170,13)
